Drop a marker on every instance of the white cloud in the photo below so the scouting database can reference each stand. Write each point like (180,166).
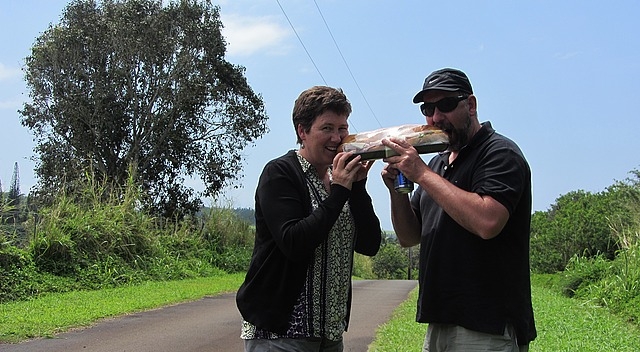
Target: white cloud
(248,35)
(8,72)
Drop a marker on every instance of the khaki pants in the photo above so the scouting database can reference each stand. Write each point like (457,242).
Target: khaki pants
(453,338)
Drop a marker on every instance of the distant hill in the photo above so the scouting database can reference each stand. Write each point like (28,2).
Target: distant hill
(246,214)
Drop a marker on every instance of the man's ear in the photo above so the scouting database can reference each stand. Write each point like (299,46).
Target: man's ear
(473,104)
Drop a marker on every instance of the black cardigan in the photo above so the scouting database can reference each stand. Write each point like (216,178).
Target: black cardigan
(287,233)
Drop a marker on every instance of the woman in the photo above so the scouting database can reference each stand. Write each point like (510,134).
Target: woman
(312,212)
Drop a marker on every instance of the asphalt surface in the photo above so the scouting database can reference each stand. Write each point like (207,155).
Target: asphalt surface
(212,324)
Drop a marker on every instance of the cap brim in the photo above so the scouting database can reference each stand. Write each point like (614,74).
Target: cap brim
(420,96)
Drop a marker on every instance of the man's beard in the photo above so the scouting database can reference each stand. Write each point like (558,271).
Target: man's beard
(458,137)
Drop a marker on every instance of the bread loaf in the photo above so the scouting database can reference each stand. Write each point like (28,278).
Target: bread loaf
(369,144)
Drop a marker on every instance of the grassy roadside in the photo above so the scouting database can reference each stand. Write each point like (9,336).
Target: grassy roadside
(563,324)
(54,313)
(566,324)
(401,333)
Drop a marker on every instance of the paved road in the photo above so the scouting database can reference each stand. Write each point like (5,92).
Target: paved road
(212,324)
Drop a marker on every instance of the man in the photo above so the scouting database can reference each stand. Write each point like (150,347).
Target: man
(471,215)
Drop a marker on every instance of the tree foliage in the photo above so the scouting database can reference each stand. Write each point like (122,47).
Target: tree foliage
(391,261)
(134,89)
(577,224)
(14,188)
(585,224)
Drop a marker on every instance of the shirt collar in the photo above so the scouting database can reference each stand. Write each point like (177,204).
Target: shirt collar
(307,168)
(482,135)
(485,131)
(304,163)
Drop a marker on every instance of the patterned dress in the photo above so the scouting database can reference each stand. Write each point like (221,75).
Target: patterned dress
(321,309)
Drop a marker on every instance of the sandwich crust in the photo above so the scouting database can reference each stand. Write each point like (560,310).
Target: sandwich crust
(371,141)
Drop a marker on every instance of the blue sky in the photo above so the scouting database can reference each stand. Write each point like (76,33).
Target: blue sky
(561,78)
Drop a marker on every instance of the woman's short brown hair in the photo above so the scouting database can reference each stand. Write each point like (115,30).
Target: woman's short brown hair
(314,101)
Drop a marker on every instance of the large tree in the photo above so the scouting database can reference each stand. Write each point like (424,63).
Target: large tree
(137,90)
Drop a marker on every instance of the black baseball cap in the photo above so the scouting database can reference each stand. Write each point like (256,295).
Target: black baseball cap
(447,79)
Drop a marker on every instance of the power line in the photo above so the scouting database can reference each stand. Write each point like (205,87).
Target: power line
(299,39)
(308,54)
(346,64)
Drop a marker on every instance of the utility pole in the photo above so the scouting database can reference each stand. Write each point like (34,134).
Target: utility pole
(409,269)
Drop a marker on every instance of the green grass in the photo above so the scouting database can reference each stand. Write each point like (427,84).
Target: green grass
(566,324)
(563,324)
(401,333)
(53,313)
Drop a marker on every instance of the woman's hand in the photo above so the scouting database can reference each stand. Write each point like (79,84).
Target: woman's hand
(348,169)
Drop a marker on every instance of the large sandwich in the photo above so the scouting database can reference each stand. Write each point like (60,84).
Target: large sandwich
(425,138)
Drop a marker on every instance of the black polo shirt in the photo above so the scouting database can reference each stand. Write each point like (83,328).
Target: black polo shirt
(464,280)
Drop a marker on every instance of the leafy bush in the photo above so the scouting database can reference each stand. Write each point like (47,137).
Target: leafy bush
(15,271)
(363,267)
(585,224)
(229,239)
(223,228)
(21,278)
(577,224)
(233,259)
(54,253)
(576,227)
(546,256)
(74,237)
(612,284)
(391,262)
(98,240)
(583,272)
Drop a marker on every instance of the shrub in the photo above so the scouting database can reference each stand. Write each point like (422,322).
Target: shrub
(15,271)
(546,257)
(363,267)
(229,239)
(582,272)
(75,237)
(391,262)
(578,224)
(97,240)
(586,224)
(233,259)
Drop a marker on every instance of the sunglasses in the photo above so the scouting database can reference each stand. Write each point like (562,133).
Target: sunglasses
(444,105)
